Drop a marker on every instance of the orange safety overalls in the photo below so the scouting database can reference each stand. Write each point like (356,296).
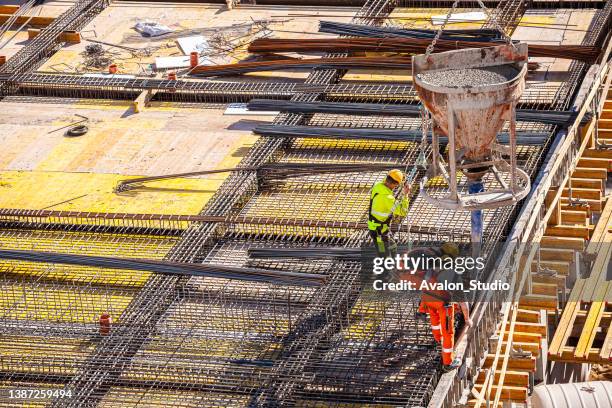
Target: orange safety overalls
(441,314)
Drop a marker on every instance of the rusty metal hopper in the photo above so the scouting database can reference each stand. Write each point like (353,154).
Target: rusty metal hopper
(470,93)
(480,111)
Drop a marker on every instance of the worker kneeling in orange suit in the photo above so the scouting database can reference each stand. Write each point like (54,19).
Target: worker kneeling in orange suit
(437,303)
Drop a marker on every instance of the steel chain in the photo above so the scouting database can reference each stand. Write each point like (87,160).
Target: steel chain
(493,19)
(431,46)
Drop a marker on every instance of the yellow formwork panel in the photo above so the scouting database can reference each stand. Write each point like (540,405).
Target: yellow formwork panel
(421,18)
(334,205)
(365,319)
(94,192)
(118,245)
(314,143)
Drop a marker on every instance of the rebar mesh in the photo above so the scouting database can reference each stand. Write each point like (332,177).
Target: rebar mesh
(193,341)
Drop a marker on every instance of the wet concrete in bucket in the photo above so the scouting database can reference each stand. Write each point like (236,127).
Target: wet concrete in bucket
(470,76)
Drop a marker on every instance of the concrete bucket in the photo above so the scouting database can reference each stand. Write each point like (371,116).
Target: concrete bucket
(470,94)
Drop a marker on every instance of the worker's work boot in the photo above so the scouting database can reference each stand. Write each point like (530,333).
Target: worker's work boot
(456,363)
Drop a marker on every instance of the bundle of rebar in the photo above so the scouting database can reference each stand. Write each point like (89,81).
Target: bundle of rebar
(268,172)
(360,30)
(323,63)
(584,53)
(346,254)
(407,110)
(389,135)
(167,267)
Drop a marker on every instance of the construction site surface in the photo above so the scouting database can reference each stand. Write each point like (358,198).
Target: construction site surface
(127,290)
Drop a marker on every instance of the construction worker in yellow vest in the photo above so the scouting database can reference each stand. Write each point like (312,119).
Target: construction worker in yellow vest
(383,206)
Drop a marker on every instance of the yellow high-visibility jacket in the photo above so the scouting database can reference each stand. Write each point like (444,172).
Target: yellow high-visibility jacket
(383,206)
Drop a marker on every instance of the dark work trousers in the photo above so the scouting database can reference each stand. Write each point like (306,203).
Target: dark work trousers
(384,244)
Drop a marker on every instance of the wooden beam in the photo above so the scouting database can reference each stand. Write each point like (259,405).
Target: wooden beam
(549,201)
(548,289)
(586,193)
(540,301)
(39,21)
(574,217)
(536,328)
(556,254)
(590,205)
(595,163)
(528,364)
(577,231)
(527,316)
(598,154)
(596,184)
(72,37)
(577,244)
(564,329)
(561,267)
(8,9)
(142,101)
(516,394)
(513,377)
(558,280)
(589,172)
(606,350)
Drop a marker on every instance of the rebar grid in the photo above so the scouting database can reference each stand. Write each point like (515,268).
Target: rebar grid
(202,341)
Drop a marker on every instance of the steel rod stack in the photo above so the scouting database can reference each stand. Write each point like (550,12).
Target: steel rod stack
(586,53)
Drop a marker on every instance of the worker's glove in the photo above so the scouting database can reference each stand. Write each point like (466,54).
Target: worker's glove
(407,188)
(421,316)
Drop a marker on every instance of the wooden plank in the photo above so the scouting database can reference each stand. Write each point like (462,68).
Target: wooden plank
(33,20)
(569,217)
(589,329)
(587,183)
(556,254)
(587,193)
(555,217)
(605,123)
(606,113)
(568,317)
(599,232)
(8,9)
(567,355)
(558,280)
(525,337)
(598,154)
(590,205)
(536,328)
(561,267)
(577,231)
(538,288)
(588,172)
(540,301)
(72,37)
(142,101)
(516,394)
(531,347)
(527,316)
(512,377)
(606,350)
(574,243)
(513,363)
(595,163)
